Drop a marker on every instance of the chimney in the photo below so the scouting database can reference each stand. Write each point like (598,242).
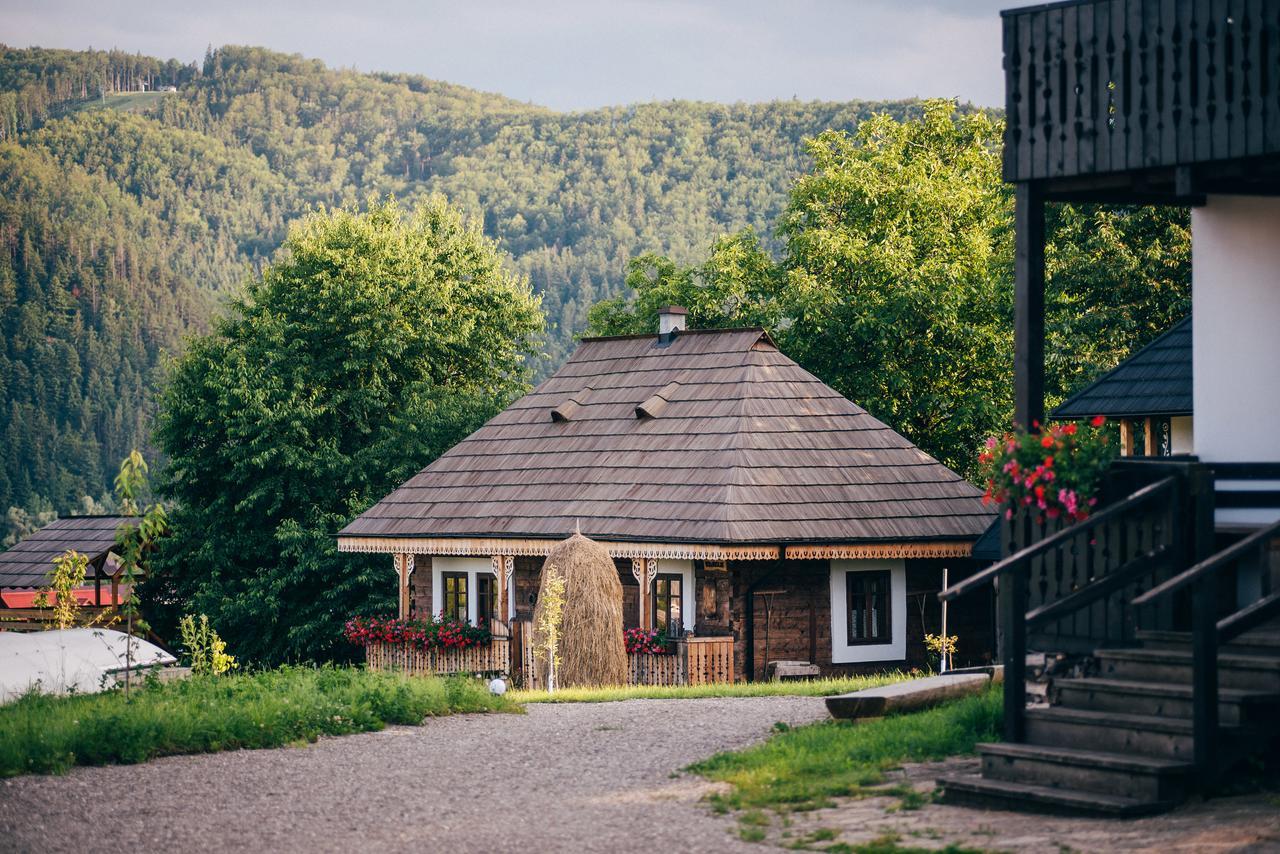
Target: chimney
(670,320)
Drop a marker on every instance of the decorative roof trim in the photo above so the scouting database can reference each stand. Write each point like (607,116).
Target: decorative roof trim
(881,550)
(488,546)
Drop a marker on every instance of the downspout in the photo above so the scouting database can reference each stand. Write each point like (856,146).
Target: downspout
(749,606)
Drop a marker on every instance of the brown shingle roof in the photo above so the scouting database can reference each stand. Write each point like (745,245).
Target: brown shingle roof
(742,446)
(28,563)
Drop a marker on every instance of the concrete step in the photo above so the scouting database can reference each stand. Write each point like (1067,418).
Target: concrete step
(1246,672)
(1161,699)
(1141,778)
(973,790)
(1111,732)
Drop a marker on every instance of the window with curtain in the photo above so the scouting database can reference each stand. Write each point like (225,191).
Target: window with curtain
(455,594)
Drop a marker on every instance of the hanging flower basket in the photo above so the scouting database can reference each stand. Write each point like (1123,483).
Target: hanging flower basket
(1051,474)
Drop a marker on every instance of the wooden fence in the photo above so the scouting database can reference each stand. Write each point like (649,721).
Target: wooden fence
(695,661)
(42,619)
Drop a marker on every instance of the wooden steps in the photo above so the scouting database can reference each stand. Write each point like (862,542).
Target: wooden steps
(1120,743)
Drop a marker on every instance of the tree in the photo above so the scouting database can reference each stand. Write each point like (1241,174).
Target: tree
(894,284)
(135,541)
(374,342)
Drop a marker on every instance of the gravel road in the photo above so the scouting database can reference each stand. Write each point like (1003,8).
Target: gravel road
(573,777)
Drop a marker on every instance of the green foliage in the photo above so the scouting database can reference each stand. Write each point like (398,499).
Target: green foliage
(47,734)
(126,229)
(374,342)
(69,569)
(805,767)
(1051,473)
(548,621)
(207,651)
(895,280)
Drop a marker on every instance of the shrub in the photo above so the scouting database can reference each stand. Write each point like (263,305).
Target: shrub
(207,651)
(645,642)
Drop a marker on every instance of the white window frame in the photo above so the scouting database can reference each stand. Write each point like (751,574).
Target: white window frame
(684,569)
(473,567)
(896,648)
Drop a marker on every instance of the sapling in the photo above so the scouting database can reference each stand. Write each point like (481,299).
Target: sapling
(133,542)
(551,615)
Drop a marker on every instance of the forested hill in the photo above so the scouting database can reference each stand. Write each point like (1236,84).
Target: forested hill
(127,210)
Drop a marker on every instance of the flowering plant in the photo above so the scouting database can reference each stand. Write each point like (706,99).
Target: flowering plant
(433,632)
(1054,472)
(645,642)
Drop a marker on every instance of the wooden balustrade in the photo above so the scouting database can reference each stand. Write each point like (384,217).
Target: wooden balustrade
(1112,85)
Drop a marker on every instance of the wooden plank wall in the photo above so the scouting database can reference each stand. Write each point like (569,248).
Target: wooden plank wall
(1116,85)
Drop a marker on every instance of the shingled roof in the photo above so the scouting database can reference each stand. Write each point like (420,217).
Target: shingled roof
(1155,380)
(711,437)
(28,563)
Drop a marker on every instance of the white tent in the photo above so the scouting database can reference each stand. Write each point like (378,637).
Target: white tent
(70,661)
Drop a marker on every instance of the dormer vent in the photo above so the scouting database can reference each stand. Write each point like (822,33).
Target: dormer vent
(570,408)
(653,406)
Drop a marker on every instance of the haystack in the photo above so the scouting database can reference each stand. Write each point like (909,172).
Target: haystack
(591,646)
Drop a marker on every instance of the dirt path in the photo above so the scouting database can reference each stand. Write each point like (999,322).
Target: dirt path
(582,777)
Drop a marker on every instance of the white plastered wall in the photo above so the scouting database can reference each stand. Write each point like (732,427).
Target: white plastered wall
(896,649)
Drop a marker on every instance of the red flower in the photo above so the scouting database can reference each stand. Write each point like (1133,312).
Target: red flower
(1047,441)
(1098,420)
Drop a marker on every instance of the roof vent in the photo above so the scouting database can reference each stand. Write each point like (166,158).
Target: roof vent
(653,405)
(671,319)
(569,409)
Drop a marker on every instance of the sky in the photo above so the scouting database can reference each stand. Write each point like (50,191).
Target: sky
(576,54)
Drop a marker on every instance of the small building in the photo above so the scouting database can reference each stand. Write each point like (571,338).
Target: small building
(737,493)
(25,567)
(1150,394)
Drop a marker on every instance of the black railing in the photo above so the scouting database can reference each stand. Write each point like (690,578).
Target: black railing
(1208,632)
(1081,579)
(1116,85)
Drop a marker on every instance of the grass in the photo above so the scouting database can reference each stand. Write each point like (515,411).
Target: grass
(805,767)
(46,734)
(813,688)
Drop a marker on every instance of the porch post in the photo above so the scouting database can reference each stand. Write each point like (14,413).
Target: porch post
(645,569)
(404,568)
(503,566)
(1028,306)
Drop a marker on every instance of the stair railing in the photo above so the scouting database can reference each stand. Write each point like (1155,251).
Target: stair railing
(1013,573)
(1208,632)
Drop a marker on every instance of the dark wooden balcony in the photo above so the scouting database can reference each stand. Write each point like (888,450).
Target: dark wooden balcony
(1148,97)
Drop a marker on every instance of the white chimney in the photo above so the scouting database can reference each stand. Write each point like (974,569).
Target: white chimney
(671,318)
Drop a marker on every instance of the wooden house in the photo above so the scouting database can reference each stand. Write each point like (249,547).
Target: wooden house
(738,494)
(1169,591)
(1149,394)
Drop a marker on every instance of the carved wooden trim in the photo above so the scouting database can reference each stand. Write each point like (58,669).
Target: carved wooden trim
(487,547)
(403,563)
(881,550)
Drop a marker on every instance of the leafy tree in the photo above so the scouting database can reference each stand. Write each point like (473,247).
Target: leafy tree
(135,542)
(894,283)
(373,342)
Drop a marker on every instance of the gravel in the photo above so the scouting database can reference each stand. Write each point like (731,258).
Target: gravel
(580,777)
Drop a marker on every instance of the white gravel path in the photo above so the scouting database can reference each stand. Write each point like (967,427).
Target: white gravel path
(574,777)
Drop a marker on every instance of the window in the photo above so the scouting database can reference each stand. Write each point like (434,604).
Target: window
(868,607)
(486,599)
(455,594)
(668,599)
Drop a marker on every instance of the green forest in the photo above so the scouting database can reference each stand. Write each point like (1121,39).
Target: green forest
(130,213)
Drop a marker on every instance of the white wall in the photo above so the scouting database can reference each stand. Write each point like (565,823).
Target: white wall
(1235,260)
(896,649)
(473,566)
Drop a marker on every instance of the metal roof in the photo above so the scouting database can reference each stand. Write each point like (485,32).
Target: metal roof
(1155,380)
(28,563)
(711,437)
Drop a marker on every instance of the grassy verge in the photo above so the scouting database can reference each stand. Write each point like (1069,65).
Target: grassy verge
(43,734)
(814,688)
(805,767)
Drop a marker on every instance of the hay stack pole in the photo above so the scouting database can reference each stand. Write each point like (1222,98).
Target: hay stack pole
(591,646)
